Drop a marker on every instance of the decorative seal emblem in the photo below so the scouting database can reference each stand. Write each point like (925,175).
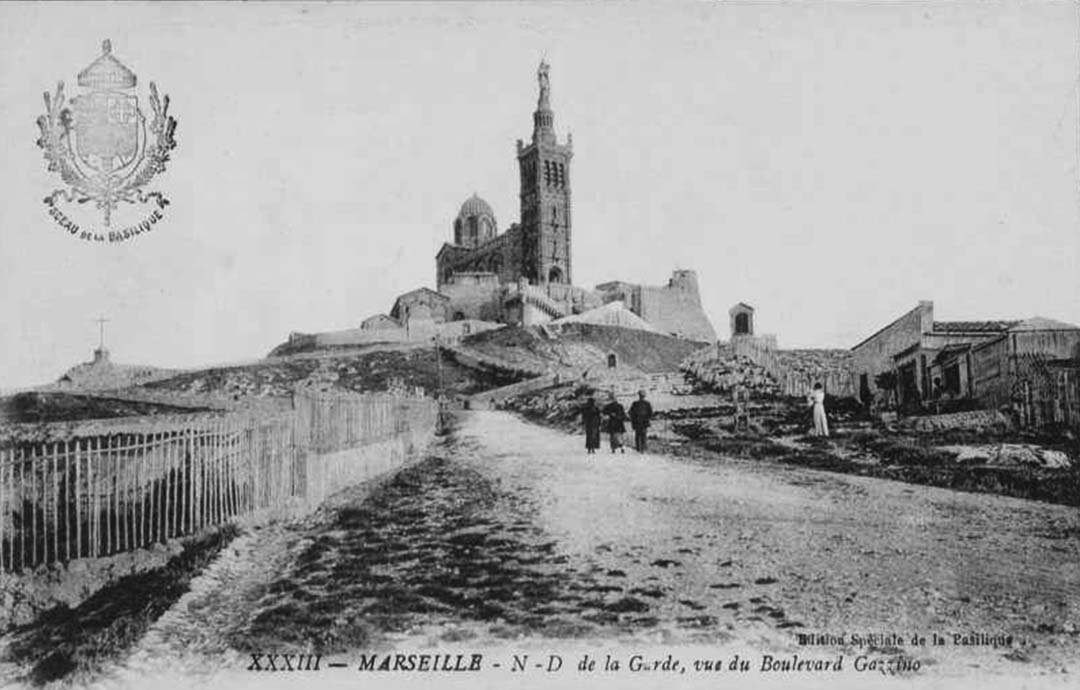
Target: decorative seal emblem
(103,148)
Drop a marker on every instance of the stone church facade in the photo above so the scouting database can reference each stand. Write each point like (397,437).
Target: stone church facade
(524,275)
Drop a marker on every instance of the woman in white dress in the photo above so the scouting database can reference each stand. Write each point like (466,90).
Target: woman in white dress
(817,400)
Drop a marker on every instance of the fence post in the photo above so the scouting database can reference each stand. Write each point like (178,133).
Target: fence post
(189,484)
(91,505)
(172,455)
(22,511)
(122,538)
(108,486)
(5,458)
(142,528)
(198,460)
(220,465)
(69,499)
(55,530)
(34,507)
(212,466)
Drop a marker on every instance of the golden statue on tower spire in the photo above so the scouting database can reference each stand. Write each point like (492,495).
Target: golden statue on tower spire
(545,84)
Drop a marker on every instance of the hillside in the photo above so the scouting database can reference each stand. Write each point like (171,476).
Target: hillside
(478,363)
(373,370)
(36,407)
(581,346)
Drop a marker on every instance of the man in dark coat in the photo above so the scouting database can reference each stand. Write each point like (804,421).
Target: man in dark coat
(640,416)
(616,423)
(590,416)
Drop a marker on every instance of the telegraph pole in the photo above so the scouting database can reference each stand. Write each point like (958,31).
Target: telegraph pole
(439,384)
(438,368)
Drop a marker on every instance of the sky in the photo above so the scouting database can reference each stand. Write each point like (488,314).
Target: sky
(829,164)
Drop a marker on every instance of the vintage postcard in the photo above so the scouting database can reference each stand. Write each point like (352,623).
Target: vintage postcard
(540,345)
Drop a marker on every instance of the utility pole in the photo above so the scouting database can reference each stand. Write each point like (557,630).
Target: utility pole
(439,386)
(438,369)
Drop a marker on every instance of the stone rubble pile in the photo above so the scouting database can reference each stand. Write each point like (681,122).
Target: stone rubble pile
(1010,455)
(974,420)
(717,371)
(557,405)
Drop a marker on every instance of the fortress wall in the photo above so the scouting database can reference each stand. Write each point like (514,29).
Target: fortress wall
(677,310)
(674,309)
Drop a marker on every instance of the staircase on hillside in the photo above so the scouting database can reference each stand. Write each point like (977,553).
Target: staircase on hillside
(537,297)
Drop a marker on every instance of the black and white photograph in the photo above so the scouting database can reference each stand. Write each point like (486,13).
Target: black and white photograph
(540,345)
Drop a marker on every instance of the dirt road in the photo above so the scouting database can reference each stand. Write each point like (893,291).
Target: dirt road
(510,537)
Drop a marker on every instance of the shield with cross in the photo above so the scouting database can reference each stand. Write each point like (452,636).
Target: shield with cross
(108,129)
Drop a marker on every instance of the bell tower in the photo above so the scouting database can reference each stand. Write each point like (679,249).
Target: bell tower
(545,195)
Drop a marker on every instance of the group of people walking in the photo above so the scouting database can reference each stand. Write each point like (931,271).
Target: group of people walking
(614,417)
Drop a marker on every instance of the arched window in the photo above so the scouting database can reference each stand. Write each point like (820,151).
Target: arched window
(459,316)
(612,361)
(742,324)
(555,275)
(473,231)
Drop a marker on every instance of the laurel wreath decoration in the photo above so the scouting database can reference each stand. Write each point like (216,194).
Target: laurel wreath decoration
(106,190)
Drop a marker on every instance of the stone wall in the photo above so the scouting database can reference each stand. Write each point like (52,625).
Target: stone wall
(674,309)
(976,420)
(480,300)
(416,331)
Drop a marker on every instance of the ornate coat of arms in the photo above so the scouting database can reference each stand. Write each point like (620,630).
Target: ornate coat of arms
(100,143)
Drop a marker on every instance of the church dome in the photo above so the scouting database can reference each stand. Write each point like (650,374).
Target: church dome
(475,223)
(475,206)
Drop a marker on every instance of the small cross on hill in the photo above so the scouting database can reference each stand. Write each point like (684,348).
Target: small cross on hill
(101,321)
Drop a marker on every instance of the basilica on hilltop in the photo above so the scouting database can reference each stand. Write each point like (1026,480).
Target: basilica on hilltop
(523,275)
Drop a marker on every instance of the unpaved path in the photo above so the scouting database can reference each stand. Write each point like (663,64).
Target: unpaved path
(510,536)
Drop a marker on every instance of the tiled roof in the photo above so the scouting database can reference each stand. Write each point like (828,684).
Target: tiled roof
(1040,323)
(973,326)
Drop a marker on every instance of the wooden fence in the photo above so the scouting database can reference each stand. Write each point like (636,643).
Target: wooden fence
(113,486)
(1045,390)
